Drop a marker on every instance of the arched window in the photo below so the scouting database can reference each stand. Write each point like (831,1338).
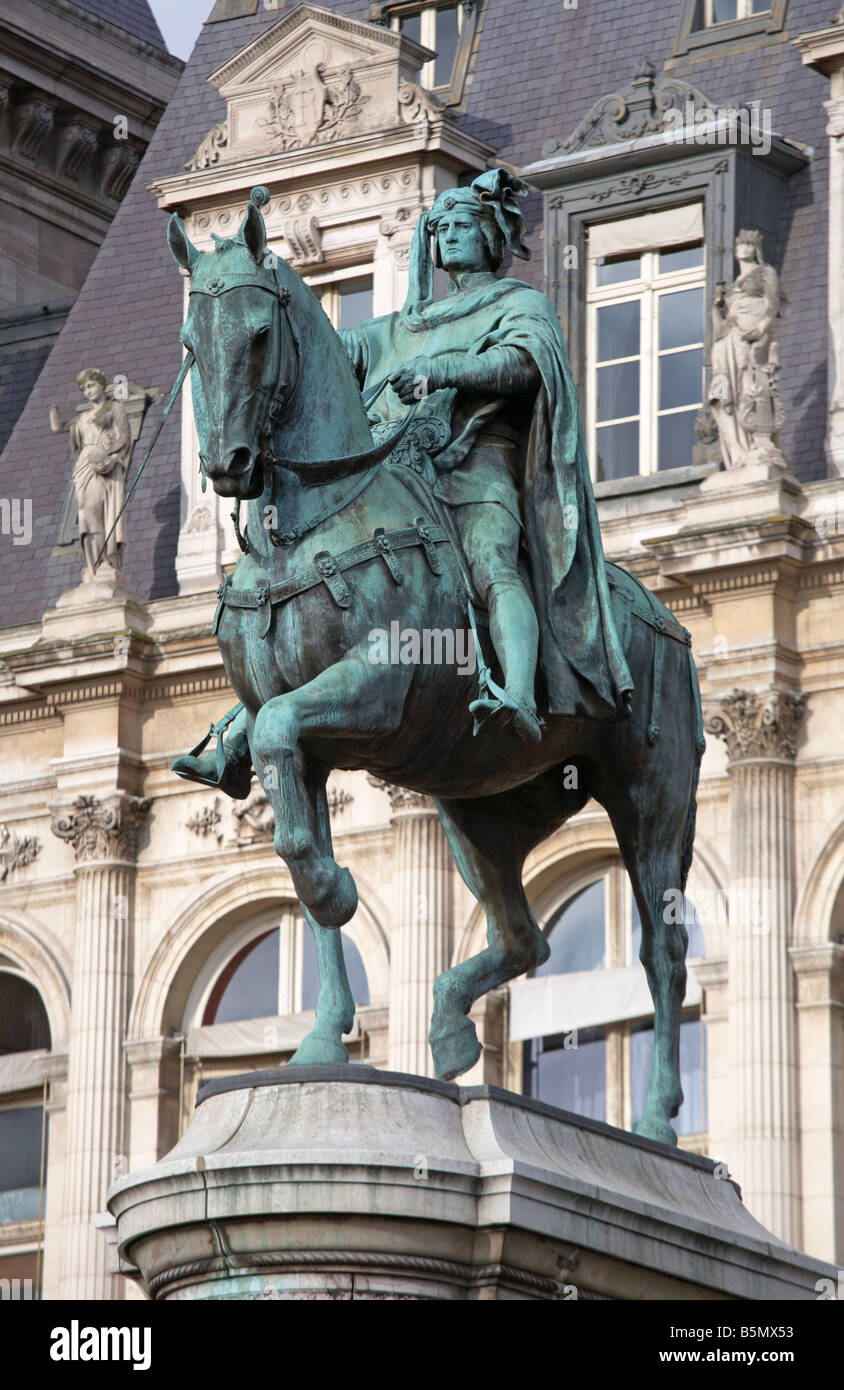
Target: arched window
(275,973)
(24,1026)
(24,1034)
(591,1001)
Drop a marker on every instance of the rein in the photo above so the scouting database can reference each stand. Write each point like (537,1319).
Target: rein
(311,472)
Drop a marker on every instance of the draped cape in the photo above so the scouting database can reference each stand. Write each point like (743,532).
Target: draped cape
(581,653)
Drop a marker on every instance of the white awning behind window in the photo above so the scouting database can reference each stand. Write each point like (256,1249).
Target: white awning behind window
(652,232)
(552,1004)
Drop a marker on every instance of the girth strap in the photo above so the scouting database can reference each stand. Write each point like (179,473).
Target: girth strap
(328,569)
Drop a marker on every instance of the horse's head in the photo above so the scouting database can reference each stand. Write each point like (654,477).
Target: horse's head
(244,350)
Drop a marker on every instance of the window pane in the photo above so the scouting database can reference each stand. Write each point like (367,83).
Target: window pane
(248,987)
(20,1163)
(691,1117)
(683,258)
(358,982)
(446,43)
(681,318)
(618,391)
(760,6)
(576,937)
(411,25)
(355,303)
(23,1019)
(723,10)
(573,1077)
(617,448)
(676,439)
(618,331)
(613,269)
(681,379)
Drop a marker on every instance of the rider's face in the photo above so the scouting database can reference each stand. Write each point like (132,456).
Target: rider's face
(461,242)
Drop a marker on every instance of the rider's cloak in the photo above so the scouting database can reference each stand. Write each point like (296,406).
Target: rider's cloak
(581,653)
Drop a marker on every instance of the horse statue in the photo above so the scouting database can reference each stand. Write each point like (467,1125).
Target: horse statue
(342,537)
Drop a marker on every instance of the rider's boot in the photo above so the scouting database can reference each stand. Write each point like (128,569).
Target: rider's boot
(515,637)
(229,768)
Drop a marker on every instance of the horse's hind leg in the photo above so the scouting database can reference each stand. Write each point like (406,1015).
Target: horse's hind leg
(490,838)
(650,818)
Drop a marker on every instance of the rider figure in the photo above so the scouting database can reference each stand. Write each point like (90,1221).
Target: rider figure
(490,357)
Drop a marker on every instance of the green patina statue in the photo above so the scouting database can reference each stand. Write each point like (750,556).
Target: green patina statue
(462,498)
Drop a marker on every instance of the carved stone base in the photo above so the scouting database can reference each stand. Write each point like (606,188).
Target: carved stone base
(104,603)
(347,1183)
(760,469)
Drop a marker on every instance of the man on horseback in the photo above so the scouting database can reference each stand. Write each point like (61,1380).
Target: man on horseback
(490,360)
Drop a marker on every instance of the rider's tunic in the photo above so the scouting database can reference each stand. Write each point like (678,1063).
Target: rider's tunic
(533,463)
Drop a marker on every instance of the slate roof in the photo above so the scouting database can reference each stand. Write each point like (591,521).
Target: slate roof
(134,16)
(540,67)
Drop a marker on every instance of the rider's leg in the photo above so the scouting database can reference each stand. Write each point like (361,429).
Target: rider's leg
(236,778)
(490,537)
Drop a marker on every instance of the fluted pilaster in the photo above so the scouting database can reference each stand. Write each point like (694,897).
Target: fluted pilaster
(104,838)
(420,939)
(761,736)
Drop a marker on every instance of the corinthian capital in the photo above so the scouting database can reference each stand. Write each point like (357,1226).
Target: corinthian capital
(105,829)
(400,798)
(757,725)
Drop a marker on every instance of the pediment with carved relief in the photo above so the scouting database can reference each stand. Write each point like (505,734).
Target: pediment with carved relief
(313,78)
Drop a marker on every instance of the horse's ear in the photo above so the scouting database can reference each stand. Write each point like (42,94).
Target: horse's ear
(181,247)
(254,233)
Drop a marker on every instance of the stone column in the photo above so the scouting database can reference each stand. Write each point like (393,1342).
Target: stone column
(104,838)
(760,731)
(421,935)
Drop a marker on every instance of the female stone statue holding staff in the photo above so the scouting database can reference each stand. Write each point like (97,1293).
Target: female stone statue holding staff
(101,439)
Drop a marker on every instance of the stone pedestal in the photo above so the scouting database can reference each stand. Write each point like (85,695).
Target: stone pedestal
(346,1183)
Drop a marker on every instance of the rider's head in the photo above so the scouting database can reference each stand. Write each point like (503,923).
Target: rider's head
(472,228)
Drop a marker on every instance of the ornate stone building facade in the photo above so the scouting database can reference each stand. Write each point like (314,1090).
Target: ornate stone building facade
(149,935)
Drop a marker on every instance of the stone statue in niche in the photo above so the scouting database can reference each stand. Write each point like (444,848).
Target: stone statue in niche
(744,393)
(102,435)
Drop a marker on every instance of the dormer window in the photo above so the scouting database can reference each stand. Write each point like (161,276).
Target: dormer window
(450,28)
(723,11)
(728,26)
(438,27)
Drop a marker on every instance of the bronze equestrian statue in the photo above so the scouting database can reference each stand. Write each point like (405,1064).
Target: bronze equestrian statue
(458,496)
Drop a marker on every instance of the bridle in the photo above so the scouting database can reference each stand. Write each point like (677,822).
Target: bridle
(311,472)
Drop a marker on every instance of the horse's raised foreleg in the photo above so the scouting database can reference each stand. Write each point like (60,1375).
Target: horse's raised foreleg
(490,837)
(353,696)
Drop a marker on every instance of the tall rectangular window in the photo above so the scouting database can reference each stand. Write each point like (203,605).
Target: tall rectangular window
(645,328)
(723,11)
(346,301)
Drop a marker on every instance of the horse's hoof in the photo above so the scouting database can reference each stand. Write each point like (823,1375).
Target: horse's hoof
(456,1052)
(318,1052)
(656,1127)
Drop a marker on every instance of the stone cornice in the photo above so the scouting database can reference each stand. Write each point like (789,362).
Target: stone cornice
(101,830)
(756,726)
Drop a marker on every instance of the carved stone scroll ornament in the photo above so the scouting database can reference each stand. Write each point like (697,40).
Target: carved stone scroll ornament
(105,829)
(16,851)
(638,109)
(210,150)
(757,725)
(416,104)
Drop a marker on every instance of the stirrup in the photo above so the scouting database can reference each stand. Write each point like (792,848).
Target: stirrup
(233,778)
(500,710)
